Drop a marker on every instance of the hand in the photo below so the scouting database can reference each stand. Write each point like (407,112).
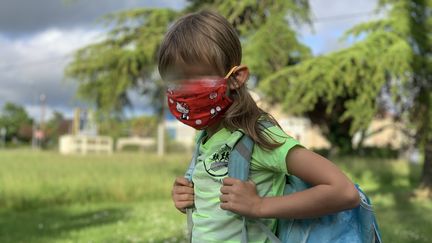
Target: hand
(182,194)
(240,197)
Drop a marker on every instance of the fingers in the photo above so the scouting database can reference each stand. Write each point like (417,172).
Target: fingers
(183,197)
(232,184)
(225,206)
(229,181)
(181,181)
(182,205)
(224,198)
(183,194)
(183,190)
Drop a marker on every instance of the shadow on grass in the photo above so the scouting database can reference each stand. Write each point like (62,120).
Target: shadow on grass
(44,225)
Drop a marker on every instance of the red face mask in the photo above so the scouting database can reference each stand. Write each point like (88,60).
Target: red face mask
(200,103)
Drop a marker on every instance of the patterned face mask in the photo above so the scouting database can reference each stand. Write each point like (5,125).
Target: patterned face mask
(200,103)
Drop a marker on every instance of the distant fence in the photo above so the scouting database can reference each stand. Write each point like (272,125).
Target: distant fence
(134,141)
(82,144)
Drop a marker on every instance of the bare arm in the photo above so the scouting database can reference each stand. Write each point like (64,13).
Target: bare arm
(331,191)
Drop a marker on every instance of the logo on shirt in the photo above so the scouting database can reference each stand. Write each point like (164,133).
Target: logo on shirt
(217,164)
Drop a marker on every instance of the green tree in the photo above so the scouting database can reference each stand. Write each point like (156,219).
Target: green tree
(124,60)
(265,28)
(343,91)
(144,126)
(53,126)
(14,118)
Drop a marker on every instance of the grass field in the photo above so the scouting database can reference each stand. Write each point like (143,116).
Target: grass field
(46,197)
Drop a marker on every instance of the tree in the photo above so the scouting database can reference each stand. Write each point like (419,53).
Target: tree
(143,126)
(54,126)
(126,58)
(14,118)
(265,29)
(344,90)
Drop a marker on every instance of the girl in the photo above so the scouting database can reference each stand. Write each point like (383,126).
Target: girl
(200,60)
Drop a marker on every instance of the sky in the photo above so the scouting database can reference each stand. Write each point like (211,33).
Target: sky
(37,39)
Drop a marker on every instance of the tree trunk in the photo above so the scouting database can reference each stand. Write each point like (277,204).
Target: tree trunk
(161,124)
(426,179)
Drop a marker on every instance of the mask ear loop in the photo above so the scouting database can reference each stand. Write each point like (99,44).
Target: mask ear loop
(233,69)
(231,72)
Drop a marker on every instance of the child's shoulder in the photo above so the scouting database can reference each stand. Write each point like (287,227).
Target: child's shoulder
(275,134)
(273,131)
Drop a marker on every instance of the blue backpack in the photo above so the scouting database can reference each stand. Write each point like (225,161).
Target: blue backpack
(357,225)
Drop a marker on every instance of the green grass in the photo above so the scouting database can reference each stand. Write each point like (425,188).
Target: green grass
(35,179)
(46,197)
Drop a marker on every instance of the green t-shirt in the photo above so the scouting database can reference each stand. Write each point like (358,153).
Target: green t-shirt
(268,170)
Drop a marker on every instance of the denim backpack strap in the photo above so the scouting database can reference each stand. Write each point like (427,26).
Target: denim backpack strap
(238,167)
(188,175)
(189,172)
(241,155)
(239,160)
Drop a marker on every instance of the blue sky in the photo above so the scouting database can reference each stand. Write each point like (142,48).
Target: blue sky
(37,38)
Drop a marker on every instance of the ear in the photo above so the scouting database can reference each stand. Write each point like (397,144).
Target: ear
(240,76)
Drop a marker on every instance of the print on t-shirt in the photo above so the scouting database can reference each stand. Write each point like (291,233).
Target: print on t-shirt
(216,165)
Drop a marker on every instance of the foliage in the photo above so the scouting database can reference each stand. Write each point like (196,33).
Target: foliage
(55,127)
(266,32)
(343,91)
(15,119)
(125,58)
(144,126)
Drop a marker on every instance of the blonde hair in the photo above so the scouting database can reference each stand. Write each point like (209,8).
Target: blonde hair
(207,38)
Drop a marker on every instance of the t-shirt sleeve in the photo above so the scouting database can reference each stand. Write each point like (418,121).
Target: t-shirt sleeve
(274,160)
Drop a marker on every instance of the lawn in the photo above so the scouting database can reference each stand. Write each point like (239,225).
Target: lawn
(46,197)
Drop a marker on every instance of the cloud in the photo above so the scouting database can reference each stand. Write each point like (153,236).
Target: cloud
(34,66)
(22,17)
(36,40)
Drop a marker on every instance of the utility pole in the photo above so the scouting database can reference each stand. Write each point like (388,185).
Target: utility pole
(40,133)
(42,118)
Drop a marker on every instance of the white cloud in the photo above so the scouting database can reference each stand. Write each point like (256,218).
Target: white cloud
(33,66)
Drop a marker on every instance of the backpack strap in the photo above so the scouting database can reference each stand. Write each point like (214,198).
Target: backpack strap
(238,167)
(240,157)
(188,175)
(239,160)
(189,172)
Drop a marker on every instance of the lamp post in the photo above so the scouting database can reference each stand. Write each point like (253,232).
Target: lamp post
(40,132)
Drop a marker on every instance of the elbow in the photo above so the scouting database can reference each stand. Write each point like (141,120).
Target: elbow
(351,197)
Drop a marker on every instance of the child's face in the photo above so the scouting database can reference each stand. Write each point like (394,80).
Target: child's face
(184,73)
